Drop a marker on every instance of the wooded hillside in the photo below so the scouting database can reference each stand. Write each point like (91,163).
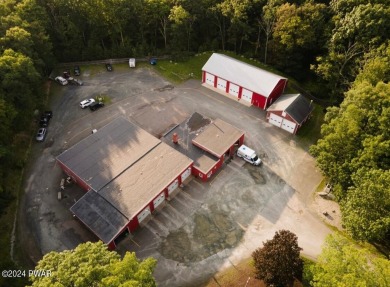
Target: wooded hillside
(339,47)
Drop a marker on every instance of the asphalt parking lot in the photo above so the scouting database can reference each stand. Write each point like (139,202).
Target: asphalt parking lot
(207,226)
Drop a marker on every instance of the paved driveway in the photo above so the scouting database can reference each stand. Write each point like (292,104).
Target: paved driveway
(207,226)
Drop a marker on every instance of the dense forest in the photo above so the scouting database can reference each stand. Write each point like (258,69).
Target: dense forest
(340,48)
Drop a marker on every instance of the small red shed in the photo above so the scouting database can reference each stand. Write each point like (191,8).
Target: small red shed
(289,112)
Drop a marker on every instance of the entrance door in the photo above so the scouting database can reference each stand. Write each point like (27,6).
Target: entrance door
(275,120)
(185,174)
(159,200)
(221,84)
(288,126)
(143,215)
(234,89)
(247,95)
(173,186)
(210,79)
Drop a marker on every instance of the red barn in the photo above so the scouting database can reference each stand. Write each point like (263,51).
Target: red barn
(247,83)
(289,112)
(128,174)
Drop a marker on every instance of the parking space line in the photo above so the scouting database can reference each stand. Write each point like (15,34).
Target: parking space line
(135,242)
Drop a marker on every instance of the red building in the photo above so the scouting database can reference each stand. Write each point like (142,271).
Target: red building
(289,112)
(208,143)
(128,174)
(246,83)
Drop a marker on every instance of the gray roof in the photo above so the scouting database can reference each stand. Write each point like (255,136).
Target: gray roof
(137,186)
(295,105)
(102,156)
(217,137)
(240,73)
(99,215)
(186,131)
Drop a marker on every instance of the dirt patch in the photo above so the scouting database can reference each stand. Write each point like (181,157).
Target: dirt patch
(328,210)
(197,121)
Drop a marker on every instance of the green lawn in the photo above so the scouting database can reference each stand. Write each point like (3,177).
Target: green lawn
(178,72)
(310,132)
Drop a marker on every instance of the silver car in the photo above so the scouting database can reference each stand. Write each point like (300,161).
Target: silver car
(86,103)
(41,135)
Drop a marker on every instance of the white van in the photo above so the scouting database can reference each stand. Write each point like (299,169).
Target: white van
(249,155)
(132,62)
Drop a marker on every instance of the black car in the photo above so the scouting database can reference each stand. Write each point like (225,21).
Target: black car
(66,74)
(48,114)
(44,121)
(96,105)
(76,71)
(109,67)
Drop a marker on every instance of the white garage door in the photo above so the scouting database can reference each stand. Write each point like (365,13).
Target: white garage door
(173,186)
(221,84)
(247,95)
(288,126)
(160,199)
(210,79)
(234,89)
(185,174)
(275,120)
(143,214)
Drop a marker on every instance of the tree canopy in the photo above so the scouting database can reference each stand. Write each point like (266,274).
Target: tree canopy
(342,263)
(277,263)
(354,151)
(91,264)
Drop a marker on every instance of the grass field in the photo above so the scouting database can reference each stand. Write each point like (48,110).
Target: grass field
(310,132)
(241,274)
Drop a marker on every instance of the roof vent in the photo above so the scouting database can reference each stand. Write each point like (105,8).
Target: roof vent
(175,138)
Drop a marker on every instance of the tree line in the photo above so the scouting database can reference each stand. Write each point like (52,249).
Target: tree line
(340,46)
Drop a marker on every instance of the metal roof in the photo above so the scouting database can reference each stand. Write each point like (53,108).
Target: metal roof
(242,74)
(102,156)
(217,137)
(99,215)
(137,186)
(296,105)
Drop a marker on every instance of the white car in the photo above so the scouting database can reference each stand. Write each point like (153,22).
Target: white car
(41,135)
(86,103)
(62,81)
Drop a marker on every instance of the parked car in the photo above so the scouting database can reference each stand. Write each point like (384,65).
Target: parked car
(62,81)
(86,103)
(96,105)
(44,121)
(48,114)
(109,67)
(132,63)
(66,74)
(74,81)
(41,135)
(76,71)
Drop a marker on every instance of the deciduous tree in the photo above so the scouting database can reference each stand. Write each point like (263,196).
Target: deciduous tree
(342,263)
(277,263)
(91,264)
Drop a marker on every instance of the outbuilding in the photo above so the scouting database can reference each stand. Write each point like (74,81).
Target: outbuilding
(128,174)
(209,143)
(244,82)
(289,112)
